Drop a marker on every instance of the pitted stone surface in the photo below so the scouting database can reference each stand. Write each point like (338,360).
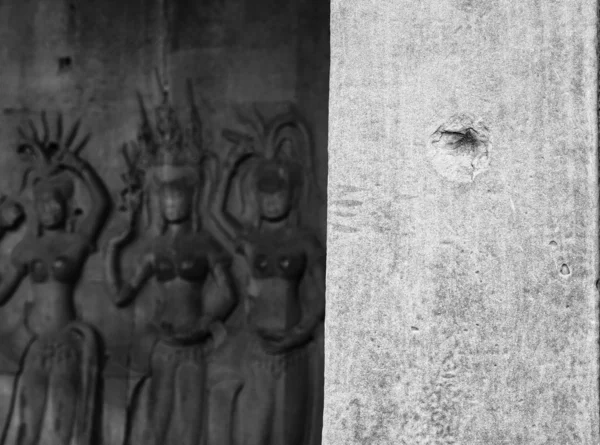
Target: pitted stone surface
(505,345)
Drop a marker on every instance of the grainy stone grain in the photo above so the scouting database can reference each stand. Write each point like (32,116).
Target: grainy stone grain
(462,313)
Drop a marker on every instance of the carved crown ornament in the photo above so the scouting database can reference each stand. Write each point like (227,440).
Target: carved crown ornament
(168,148)
(282,147)
(45,152)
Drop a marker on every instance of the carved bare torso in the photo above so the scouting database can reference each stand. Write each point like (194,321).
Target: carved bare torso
(54,263)
(277,262)
(182,268)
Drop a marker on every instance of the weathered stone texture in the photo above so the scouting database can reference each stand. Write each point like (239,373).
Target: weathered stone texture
(451,318)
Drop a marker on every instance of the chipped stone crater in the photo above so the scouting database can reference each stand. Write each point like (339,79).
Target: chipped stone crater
(459,149)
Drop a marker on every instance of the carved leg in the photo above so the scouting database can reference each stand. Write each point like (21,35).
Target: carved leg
(291,421)
(153,411)
(255,411)
(224,383)
(317,383)
(30,399)
(187,422)
(63,391)
(87,362)
(222,402)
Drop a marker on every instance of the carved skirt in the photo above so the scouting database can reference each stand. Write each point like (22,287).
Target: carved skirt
(54,399)
(256,398)
(167,407)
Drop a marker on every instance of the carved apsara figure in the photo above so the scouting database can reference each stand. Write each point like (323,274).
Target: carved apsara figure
(189,273)
(54,400)
(283,290)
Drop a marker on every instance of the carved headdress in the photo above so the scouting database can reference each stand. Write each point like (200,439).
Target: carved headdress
(285,151)
(43,154)
(167,148)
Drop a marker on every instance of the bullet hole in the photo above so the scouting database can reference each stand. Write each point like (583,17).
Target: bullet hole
(553,244)
(64,64)
(459,149)
(565,270)
(414,328)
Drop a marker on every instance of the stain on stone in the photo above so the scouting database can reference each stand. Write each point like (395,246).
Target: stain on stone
(347,203)
(72,16)
(343,228)
(11,111)
(64,64)
(459,149)
(344,214)
(472,7)
(350,189)
(21,433)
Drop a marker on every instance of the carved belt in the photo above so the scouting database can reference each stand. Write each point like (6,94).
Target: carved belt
(64,346)
(277,364)
(177,353)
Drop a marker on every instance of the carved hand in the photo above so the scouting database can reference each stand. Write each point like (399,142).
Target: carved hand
(132,206)
(11,214)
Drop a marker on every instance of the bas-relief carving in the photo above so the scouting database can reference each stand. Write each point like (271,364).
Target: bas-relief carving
(233,353)
(189,272)
(54,398)
(282,287)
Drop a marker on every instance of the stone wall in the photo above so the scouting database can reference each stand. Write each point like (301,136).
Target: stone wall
(462,305)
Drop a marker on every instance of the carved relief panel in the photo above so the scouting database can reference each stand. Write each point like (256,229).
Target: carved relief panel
(230,348)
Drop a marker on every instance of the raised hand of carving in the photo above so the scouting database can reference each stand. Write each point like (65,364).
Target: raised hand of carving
(47,156)
(185,266)
(12,214)
(59,367)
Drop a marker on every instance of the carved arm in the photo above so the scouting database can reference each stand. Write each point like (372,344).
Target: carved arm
(313,301)
(227,228)
(124,292)
(313,311)
(94,221)
(225,290)
(10,281)
(11,215)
